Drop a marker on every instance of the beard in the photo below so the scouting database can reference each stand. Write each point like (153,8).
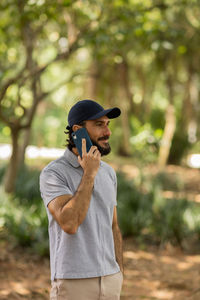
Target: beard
(103,150)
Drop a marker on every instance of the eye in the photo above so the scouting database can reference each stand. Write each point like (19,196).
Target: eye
(102,124)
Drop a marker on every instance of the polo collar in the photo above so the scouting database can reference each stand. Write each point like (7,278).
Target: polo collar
(73,159)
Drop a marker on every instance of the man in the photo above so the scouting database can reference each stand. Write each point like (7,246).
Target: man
(80,199)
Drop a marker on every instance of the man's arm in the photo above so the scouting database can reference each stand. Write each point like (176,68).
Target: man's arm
(70,211)
(117,241)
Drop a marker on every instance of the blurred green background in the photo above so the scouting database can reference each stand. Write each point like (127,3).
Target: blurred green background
(142,56)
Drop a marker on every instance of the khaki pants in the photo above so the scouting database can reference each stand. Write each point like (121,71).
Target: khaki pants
(98,288)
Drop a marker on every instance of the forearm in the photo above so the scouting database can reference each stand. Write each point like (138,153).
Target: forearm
(118,242)
(75,210)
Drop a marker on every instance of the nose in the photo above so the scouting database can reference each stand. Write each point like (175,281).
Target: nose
(107,131)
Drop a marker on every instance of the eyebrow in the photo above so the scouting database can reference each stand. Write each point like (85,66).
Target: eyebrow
(102,122)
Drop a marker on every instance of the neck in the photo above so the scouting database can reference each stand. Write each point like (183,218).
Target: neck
(75,151)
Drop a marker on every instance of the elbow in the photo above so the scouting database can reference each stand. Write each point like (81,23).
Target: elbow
(71,226)
(70,229)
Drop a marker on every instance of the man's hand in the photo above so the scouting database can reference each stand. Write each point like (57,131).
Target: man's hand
(90,161)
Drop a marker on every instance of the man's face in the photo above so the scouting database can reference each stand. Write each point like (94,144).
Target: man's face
(99,133)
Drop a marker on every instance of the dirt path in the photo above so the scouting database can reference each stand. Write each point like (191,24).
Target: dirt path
(160,274)
(149,274)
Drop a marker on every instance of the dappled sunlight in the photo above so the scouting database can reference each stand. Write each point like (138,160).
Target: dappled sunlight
(160,274)
(195,259)
(181,265)
(168,259)
(4,292)
(14,287)
(131,171)
(154,273)
(19,288)
(184,266)
(132,272)
(163,295)
(23,275)
(197,198)
(139,255)
(191,196)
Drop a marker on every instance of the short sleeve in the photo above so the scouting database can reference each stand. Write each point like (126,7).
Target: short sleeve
(114,180)
(52,185)
(115,185)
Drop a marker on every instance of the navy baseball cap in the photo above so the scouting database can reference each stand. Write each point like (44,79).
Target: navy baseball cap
(89,110)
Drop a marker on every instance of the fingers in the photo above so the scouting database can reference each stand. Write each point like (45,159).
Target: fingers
(92,150)
(84,151)
(97,153)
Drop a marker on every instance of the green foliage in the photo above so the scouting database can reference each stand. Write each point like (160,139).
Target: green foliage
(157,118)
(134,208)
(143,212)
(168,223)
(27,185)
(28,178)
(2,172)
(62,39)
(23,216)
(25,226)
(146,214)
(166,181)
(144,141)
(180,145)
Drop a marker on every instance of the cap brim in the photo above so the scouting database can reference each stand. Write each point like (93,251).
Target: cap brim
(110,113)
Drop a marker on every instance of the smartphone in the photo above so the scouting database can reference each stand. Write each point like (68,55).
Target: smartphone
(77,138)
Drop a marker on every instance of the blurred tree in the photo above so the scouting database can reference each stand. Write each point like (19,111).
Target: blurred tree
(140,55)
(33,38)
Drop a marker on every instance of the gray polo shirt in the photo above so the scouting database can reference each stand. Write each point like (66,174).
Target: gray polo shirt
(90,251)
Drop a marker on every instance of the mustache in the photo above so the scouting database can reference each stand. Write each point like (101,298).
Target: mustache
(106,137)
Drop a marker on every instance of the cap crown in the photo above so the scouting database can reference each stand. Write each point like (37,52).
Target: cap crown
(83,110)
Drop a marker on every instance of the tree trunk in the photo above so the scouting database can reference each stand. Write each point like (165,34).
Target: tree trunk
(190,107)
(22,152)
(194,97)
(124,79)
(11,173)
(110,93)
(125,148)
(170,126)
(144,106)
(91,86)
(168,134)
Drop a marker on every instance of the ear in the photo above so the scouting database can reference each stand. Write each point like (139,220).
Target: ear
(76,127)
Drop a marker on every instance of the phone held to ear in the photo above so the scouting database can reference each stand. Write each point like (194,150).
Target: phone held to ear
(77,138)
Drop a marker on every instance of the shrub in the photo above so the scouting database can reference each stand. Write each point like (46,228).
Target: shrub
(27,186)
(24,226)
(145,213)
(23,215)
(134,208)
(167,181)
(168,223)
(2,172)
